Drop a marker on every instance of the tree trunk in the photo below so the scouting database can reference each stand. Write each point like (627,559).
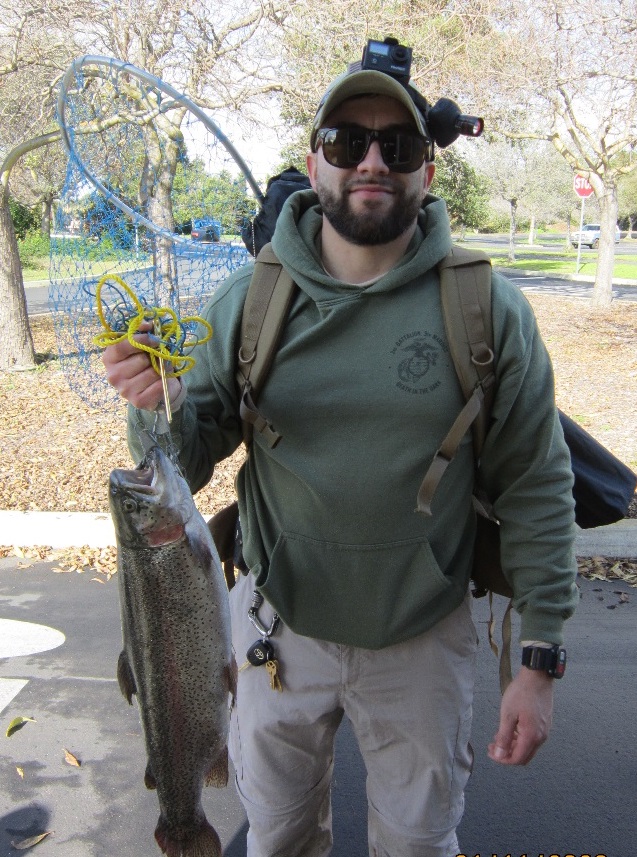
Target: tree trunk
(512,229)
(568,232)
(16,343)
(603,287)
(532,231)
(155,189)
(45,220)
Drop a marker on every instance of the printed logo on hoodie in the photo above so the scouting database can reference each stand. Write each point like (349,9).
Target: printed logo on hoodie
(416,358)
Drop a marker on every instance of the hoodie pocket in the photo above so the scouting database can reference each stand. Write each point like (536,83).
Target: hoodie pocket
(362,595)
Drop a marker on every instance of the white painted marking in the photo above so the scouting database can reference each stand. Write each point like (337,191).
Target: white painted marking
(10,687)
(27,638)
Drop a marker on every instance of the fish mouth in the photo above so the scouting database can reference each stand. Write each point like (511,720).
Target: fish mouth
(156,511)
(143,479)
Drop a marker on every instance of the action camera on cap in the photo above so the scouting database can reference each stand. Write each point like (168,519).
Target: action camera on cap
(444,120)
(388,57)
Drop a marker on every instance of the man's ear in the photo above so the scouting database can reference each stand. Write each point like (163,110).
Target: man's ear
(430,169)
(310,163)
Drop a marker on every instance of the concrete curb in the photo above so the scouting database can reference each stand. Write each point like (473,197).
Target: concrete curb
(75,529)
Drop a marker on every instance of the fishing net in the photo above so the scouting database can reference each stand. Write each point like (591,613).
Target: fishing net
(150,213)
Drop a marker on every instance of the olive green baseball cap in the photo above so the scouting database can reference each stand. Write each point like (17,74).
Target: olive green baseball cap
(368,82)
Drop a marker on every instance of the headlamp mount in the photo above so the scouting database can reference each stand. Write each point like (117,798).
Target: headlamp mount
(444,120)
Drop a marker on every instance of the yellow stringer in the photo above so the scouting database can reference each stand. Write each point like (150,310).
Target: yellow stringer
(165,322)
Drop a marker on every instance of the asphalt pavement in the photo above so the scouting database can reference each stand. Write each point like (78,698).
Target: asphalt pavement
(578,797)
(59,641)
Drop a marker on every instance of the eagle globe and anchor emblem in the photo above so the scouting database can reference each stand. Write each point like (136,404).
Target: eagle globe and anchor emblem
(422,356)
(419,353)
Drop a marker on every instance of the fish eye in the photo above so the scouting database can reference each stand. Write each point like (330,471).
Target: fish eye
(129,505)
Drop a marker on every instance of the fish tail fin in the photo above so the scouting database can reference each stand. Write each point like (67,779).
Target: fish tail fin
(125,678)
(204,843)
(217,776)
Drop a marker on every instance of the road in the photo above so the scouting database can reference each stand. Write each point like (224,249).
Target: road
(577,797)
(38,294)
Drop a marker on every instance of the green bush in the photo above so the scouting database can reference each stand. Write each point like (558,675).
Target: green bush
(25,219)
(33,248)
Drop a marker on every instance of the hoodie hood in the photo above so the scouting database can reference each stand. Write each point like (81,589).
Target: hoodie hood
(296,242)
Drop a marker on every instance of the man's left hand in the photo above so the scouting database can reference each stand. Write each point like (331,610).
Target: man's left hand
(526,714)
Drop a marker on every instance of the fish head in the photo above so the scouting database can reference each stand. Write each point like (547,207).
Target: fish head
(151,504)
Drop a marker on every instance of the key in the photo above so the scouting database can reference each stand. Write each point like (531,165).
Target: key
(272,667)
(260,653)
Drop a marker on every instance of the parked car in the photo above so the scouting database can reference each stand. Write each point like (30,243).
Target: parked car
(206,230)
(590,236)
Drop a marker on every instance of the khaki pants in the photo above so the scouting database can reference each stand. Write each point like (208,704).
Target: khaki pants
(410,707)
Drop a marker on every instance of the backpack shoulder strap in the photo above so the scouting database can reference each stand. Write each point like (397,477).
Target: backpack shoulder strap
(465,292)
(264,315)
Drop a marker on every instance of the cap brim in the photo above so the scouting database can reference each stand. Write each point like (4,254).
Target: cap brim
(366,83)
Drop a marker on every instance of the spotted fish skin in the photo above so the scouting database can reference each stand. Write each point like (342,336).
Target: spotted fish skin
(176,656)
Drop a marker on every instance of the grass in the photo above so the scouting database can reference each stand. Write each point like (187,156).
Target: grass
(38,268)
(550,261)
(540,259)
(41,272)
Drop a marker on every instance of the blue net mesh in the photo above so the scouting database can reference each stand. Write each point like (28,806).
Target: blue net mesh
(151,197)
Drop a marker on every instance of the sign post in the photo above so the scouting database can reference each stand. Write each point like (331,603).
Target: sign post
(583,189)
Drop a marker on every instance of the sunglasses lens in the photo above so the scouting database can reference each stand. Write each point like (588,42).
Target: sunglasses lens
(344,147)
(402,151)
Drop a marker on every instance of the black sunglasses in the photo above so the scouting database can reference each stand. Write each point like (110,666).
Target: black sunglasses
(402,151)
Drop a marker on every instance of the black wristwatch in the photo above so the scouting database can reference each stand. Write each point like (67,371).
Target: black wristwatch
(552,661)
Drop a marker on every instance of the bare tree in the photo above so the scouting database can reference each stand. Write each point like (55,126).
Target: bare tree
(220,55)
(449,40)
(568,74)
(505,164)
(30,58)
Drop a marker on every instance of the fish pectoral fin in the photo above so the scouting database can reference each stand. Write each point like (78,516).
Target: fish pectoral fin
(149,778)
(217,776)
(125,678)
(204,843)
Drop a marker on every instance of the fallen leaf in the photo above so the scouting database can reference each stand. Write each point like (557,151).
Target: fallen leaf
(31,841)
(70,759)
(17,723)
(20,772)
(97,580)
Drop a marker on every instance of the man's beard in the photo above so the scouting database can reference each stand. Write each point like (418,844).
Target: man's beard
(369,227)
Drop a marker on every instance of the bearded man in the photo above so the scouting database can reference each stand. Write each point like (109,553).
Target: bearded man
(368,602)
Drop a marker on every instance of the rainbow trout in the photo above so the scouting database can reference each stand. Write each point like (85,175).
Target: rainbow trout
(177,655)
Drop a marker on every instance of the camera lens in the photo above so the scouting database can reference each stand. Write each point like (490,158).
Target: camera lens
(399,54)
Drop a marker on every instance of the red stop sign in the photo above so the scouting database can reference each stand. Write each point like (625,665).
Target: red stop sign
(582,186)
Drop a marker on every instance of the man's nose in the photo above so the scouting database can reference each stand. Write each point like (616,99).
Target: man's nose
(373,160)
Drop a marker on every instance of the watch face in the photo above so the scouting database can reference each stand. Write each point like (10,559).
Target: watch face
(560,663)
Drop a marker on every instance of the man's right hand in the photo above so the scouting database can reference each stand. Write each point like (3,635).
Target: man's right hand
(129,370)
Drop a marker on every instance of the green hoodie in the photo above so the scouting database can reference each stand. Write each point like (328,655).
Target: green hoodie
(362,390)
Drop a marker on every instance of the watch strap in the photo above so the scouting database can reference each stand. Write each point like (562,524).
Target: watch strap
(550,660)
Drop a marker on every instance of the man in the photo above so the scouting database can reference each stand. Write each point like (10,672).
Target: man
(372,597)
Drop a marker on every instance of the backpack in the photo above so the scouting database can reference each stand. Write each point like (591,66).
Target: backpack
(603,487)
(257,232)
(465,284)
